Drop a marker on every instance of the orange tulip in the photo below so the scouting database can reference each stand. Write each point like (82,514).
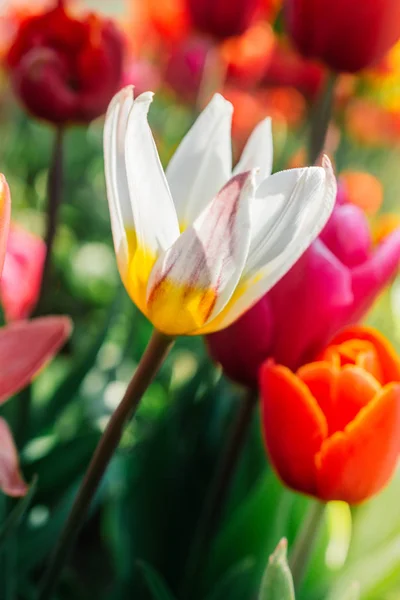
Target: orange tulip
(332,429)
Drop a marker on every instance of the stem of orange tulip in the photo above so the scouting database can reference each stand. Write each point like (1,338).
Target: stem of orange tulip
(304,543)
(152,359)
(219,490)
(54,199)
(320,119)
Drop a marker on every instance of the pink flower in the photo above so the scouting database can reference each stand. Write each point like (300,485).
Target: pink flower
(22,273)
(25,347)
(332,285)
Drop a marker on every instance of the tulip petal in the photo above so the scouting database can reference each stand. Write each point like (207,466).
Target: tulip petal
(116,179)
(202,163)
(294,426)
(388,358)
(289,211)
(25,347)
(258,152)
(376,273)
(356,463)
(11,482)
(5,214)
(195,278)
(156,223)
(340,393)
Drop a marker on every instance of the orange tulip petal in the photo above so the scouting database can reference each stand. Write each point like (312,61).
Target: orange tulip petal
(5,214)
(11,482)
(355,388)
(389,360)
(340,393)
(294,426)
(25,346)
(356,463)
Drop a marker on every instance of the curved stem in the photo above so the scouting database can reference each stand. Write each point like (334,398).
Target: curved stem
(304,543)
(54,199)
(320,119)
(149,365)
(219,491)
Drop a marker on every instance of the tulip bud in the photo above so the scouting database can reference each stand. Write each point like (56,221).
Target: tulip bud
(65,69)
(346,36)
(277,583)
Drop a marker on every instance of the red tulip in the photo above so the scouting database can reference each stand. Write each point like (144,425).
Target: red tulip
(224,18)
(66,69)
(332,429)
(22,274)
(347,35)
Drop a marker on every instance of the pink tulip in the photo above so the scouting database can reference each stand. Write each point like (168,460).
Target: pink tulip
(332,285)
(22,273)
(25,347)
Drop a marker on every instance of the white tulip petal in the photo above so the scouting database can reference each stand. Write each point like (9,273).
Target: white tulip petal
(196,277)
(202,163)
(115,172)
(300,202)
(258,152)
(155,220)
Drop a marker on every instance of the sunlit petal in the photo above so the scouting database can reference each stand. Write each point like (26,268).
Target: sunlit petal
(202,163)
(290,210)
(258,152)
(115,171)
(196,277)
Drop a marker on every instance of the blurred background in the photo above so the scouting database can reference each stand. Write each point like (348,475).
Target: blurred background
(142,523)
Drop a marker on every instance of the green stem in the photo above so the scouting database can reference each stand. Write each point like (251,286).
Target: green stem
(320,119)
(219,490)
(54,199)
(304,544)
(152,359)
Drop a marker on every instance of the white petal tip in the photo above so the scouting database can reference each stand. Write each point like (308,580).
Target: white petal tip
(145,98)
(219,101)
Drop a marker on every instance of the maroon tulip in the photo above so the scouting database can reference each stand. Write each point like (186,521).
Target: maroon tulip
(347,35)
(223,18)
(332,285)
(66,69)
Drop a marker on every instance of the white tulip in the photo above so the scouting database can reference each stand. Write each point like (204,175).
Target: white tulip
(198,245)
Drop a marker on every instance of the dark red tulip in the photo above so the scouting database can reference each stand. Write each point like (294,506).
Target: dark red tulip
(66,69)
(346,35)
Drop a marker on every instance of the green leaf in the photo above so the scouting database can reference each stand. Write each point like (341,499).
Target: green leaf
(277,583)
(155,582)
(17,513)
